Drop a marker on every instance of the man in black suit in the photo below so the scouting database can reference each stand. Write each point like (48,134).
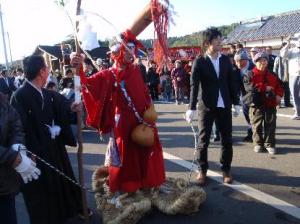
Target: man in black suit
(271,58)
(213,86)
(7,86)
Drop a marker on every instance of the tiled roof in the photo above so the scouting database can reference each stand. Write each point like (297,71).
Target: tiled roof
(281,25)
(99,52)
(54,51)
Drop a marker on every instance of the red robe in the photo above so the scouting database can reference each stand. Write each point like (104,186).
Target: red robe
(142,167)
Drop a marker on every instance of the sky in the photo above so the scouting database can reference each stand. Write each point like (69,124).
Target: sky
(30,23)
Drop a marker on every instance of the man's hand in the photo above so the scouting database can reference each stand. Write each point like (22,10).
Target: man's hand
(76,107)
(76,59)
(235,110)
(278,99)
(269,88)
(289,37)
(190,115)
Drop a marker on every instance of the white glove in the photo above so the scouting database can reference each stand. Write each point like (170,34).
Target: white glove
(18,147)
(54,130)
(27,168)
(235,110)
(190,115)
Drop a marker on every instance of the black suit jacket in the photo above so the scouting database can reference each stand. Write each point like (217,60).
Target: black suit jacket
(7,89)
(205,85)
(36,111)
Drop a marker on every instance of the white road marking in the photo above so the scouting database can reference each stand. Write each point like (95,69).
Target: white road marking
(250,191)
(241,113)
(284,115)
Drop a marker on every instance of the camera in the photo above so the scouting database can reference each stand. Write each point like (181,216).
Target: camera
(270,95)
(256,97)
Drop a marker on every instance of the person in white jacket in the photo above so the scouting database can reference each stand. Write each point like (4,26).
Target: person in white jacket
(292,53)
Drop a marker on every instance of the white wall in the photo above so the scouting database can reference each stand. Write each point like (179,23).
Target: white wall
(274,42)
(256,43)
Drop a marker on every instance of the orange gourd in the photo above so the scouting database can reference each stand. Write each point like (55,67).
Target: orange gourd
(150,115)
(143,135)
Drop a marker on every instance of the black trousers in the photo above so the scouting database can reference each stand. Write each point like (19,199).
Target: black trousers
(287,94)
(153,91)
(247,118)
(8,209)
(223,118)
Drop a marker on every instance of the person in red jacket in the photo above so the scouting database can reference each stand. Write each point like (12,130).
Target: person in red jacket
(178,77)
(264,92)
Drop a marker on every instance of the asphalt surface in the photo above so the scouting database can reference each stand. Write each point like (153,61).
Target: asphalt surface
(276,175)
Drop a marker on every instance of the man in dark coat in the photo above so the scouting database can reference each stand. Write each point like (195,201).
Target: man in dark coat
(213,86)
(243,67)
(12,161)
(46,120)
(271,58)
(7,86)
(153,80)
(142,68)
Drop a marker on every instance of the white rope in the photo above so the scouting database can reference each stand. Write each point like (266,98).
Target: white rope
(195,134)
(60,172)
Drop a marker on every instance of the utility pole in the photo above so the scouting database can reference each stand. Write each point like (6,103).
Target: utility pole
(3,38)
(9,46)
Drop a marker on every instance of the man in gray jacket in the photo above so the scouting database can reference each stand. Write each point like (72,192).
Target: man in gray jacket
(292,54)
(281,70)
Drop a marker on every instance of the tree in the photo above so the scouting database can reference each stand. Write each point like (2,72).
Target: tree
(194,39)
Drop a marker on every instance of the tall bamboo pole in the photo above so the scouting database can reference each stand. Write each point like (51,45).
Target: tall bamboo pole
(79,131)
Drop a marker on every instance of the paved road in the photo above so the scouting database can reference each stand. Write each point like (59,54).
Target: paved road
(272,181)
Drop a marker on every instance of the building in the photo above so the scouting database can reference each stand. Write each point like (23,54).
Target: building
(52,55)
(266,31)
(54,58)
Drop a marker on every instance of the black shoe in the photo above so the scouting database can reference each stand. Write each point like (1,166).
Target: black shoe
(227,178)
(247,139)
(217,139)
(201,178)
(289,105)
(90,213)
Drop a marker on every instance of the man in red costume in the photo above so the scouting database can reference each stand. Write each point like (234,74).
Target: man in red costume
(116,99)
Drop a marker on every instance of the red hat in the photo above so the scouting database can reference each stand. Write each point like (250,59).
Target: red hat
(129,37)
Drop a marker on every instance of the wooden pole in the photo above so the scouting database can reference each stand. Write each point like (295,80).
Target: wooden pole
(79,132)
(141,21)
